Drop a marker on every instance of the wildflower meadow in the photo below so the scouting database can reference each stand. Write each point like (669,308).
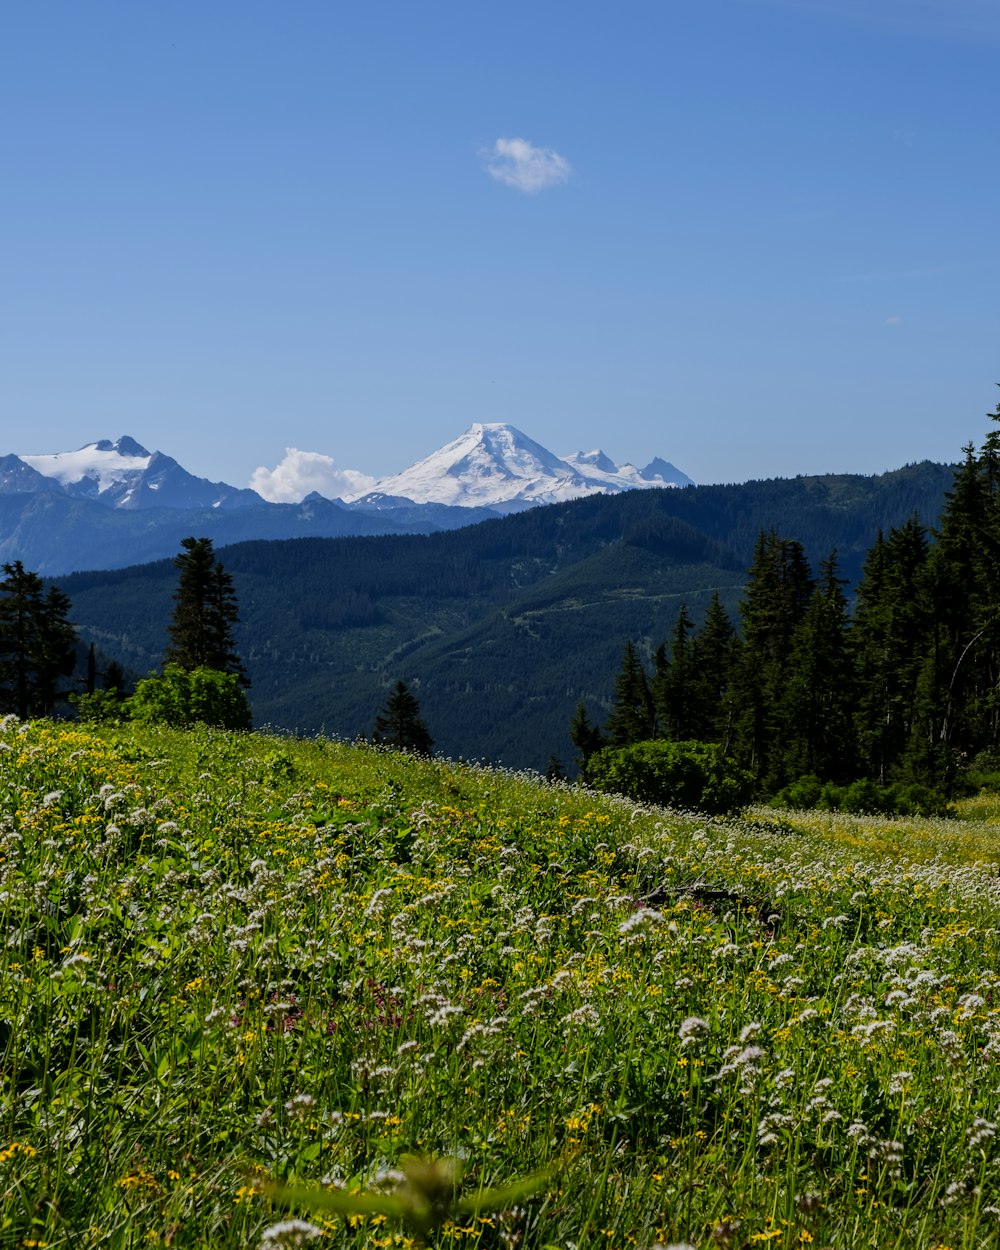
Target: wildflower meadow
(240,969)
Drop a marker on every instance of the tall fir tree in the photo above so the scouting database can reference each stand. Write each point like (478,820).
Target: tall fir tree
(585,736)
(400,725)
(957,706)
(778,589)
(715,656)
(815,730)
(632,717)
(205,613)
(675,687)
(37,643)
(888,636)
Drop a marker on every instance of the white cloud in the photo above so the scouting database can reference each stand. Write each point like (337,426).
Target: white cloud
(894,321)
(518,163)
(302,472)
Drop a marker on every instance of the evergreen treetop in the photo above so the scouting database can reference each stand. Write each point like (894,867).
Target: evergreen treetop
(400,725)
(205,613)
(37,643)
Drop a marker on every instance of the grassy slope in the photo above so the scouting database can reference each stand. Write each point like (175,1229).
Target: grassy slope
(229,957)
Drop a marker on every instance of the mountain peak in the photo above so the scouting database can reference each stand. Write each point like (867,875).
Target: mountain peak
(123,474)
(595,459)
(126,446)
(495,465)
(662,470)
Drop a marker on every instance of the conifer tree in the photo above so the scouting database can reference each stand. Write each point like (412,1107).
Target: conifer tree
(399,723)
(715,655)
(205,613)
(37,643)
(632,716)
(888,637)
(815,718)
(586,737)
(675,685)
(957,704)
(778,589)
(554,770)
(114,679)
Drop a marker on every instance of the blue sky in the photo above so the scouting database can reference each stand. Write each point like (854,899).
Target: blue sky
(755,237)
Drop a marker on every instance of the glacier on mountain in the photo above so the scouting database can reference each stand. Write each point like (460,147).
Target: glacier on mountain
(121,475)
(495,465)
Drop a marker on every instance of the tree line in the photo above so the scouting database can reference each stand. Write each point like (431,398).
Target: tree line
(203,678)
(897,698)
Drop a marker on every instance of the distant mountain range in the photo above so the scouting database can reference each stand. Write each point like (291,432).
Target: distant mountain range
(112,504)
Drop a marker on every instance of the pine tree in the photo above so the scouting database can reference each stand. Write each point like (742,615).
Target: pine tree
(632,716)
(676,687)
(37,643)
(778,589)
(205,613)
(888,639)
(114,679)
(554,770)
(399,724)
(815,718)
(957,704)
(587,738)
(715,654)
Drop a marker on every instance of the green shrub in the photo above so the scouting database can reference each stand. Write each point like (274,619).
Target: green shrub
(915,799)
(184,697)
(863,795)
(99,707)
(801,794)
(692,775)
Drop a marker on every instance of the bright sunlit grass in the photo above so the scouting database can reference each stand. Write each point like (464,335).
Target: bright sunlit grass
(232,959)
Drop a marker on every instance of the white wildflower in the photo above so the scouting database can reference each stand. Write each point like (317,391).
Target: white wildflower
(289,1234)
(585,1017)
(641,918)
(691,1029)
(981,1131)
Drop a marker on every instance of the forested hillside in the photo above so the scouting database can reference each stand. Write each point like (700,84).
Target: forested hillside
(500,628)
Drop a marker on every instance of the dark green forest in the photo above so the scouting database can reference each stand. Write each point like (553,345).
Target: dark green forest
(502,628)
(896,697)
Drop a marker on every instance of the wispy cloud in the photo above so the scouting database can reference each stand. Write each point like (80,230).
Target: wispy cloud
(518,163)
(302,472)
(894,321)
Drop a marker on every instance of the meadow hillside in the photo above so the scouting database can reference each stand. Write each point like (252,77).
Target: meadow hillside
(233,958)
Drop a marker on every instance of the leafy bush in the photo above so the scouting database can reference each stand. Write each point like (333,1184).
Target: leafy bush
(863,795)
(99,707)
(692,775)
(802,794)
(184,697)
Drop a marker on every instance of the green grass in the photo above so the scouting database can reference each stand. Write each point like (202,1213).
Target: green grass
(229,958)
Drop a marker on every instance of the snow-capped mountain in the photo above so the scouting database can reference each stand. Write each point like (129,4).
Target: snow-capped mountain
(491,466)
(495,465)
(119,475)
(597,467)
